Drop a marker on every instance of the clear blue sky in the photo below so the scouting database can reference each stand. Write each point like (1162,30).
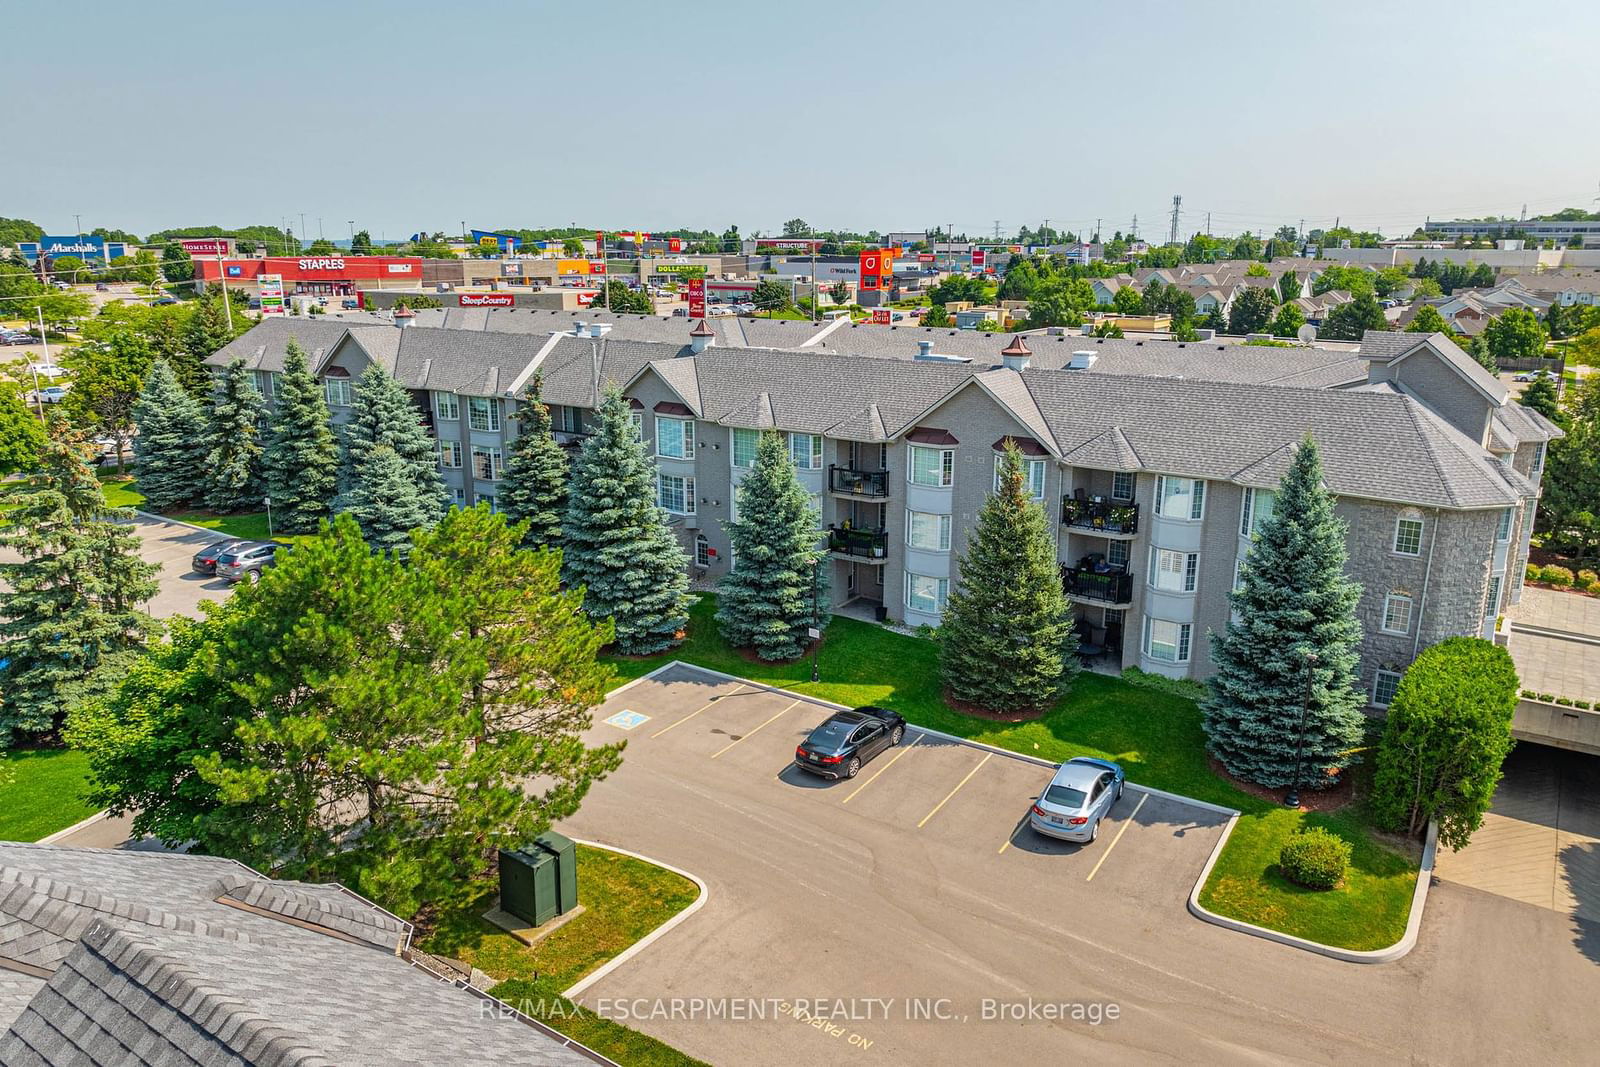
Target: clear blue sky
(864,115)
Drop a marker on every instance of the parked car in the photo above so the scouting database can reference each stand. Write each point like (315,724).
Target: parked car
(245,562)
(350,305)
(165,299)
(46,370)
(101,287)
(846,740)
(1079,795)
(50,394)
(205,560)
(16,337)
(1534,375)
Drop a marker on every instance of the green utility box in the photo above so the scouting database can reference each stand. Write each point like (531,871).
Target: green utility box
(539,882)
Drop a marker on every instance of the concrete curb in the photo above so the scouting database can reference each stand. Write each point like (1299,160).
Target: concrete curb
(573,991)
(153,517)
(1408,940)
(74,828)
(981,746)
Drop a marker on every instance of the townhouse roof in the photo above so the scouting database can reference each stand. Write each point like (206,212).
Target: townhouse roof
(450,361)
(264,345)
(109,956)
(1394,348)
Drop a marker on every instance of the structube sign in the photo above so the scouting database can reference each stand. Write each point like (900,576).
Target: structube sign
(487,300)
(697,298)
(271,293)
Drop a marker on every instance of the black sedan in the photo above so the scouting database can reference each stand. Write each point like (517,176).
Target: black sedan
(846,740)
(205,560)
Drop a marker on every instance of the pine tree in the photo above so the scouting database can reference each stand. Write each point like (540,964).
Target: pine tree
(1007,642)
(1540,395)
(169,454)
(766,602)
(233,466)
(69,622)
(534,484)
(1295,602)
(385,501)
(302,457)
(205,333)
(382,414)
(616,539)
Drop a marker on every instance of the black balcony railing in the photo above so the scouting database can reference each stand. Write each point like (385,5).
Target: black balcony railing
(1100,515)
(858,483)
(1108,587)
(868,544)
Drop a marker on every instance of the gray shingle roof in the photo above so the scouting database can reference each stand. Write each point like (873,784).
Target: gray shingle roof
(1390,346)
(262,348)
(113,957)
(456,361)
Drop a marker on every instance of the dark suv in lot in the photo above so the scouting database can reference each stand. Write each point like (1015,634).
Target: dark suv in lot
(244,562)
(205,560)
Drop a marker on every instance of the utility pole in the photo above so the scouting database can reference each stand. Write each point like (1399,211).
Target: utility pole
(1093,237)
(78,221)
(1208,224)
(302,222)
(227,300)
(1177,207)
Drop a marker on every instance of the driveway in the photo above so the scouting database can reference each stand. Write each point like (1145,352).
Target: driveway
(171,545)
(913,886)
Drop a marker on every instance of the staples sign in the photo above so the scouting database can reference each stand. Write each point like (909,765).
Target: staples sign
(487,300)
(321,264)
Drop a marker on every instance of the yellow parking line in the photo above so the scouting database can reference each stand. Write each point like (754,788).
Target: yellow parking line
(1012,836)
(736,740)
(954,791)
(880,770)
(697,711)
(1120,831)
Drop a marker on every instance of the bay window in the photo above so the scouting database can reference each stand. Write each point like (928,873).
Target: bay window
(674,437)
(932,466)
(926,531)
(1166,641)
(1180,498)
(483,414)
(925,593)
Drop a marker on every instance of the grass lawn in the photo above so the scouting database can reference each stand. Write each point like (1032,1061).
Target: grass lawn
(1158,739)
(40,792)
(122,492)
(623,899)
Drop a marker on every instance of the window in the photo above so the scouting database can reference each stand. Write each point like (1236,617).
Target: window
(447,406)
(1504,533)
(806,451)
(931,532)
(1166,641)
(1397,613)
(1408,537)
(1238,575)
(1180,498)
(450,454)
(337,391)
(1175,572)
(489,499)
(744,447)
(1117,553)
(1257,507)
(263,380)
(702,551)
(926,594)
(1538,457)
(483,413)
(932,466)
(1492,606)
(1122,485)
(460,496)
(674,438)
(675,494)
(1384,683)
(485,463)
(567,419)
(1032,475)
(636,420)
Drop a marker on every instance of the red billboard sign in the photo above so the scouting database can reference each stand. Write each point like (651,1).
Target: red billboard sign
(882,316)
(487,300)
(585,299)
(978,257)
(597,266)
(697,298)
(674,244)
(925,257)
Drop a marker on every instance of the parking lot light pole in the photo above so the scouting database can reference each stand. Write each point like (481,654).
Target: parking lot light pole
(268,501)
(1293,799)
(816,631)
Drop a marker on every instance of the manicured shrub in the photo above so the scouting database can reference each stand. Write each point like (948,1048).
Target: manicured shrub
(1532,572)
(1558,576)
(1530,694)
(1587,581)
(1315,858)
(1548,698)
(1565,702)
(1584,704)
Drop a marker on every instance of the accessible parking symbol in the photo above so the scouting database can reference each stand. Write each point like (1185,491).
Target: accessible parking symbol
(627,720)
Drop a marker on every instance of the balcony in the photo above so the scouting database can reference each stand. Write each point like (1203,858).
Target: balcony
(851,482)
(858,544)
(1100,517)
(1110,587)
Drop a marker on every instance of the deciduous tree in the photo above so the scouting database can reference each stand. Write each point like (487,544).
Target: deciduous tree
(1252,308)
(1515,334)
(1447,733)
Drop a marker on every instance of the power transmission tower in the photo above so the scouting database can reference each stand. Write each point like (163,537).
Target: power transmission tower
(1177,207)
(1095,236)
(1133,235)
(997,229)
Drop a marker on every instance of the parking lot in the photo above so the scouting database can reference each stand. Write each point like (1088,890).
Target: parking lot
(171,545)
(919,879)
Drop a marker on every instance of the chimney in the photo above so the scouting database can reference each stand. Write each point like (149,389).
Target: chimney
(1014,356)
(404,316)
(701,336)
(924,349)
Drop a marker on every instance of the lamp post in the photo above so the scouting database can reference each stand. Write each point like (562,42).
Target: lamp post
(1293,799)
(815,631)
(267,500)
